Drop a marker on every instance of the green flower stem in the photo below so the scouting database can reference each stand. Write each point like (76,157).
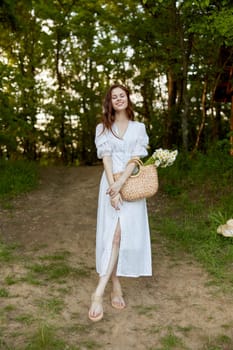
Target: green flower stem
(149,161)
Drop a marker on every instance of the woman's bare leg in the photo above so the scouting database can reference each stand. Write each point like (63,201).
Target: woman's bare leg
(96,307)
(117,296)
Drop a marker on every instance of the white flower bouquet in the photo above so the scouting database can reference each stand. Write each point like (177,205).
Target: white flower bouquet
(162,158)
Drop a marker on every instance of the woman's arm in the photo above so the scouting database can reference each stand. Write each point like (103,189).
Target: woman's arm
(117,200)
(107,162)
(115,187)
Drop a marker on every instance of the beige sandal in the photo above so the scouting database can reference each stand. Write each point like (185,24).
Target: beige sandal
(96,299)
(117,300)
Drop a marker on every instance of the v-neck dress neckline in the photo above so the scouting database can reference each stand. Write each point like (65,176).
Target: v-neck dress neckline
(126,130)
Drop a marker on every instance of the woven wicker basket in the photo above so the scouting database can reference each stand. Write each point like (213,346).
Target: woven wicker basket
(143,184)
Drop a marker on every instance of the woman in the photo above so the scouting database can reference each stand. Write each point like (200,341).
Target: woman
(123,237)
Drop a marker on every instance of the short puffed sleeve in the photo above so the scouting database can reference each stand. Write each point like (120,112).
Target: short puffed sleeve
(102,143)
(140,149)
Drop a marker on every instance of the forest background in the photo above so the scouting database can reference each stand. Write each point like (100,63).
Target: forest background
(58,58)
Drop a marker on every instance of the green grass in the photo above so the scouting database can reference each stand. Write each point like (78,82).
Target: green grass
(198,198)
(145,310)
(9,308)
(7,252)
(52,305)
(17,177)
(5,346)
(25,319)
(4,293)
(221,342)
(56,256)
(78,328)
(46,339)
(10,280)
(90,344)
(171,341)
(59,271)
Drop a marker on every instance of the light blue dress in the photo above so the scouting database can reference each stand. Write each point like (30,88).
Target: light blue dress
(135,248)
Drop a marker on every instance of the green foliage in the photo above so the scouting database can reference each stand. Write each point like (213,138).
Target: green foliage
(218,343)
(55,271)
(4,293)
(17,177)
(199,200)
(45,338)
(53,305)
(7,252)
(216,165)
(25,319)
(54,267)
(59,57)
(171,341)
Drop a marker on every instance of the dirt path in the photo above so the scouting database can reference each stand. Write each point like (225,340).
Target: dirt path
(174,309)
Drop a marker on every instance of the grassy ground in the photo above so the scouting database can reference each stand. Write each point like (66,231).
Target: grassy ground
(16,177)
(198,198)
(53,276)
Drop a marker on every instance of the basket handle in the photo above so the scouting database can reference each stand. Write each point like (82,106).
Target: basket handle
(139,163)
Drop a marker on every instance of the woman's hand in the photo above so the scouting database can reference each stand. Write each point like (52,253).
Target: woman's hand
(114,189)
(116,201)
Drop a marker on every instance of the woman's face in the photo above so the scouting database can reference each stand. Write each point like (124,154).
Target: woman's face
(119,99)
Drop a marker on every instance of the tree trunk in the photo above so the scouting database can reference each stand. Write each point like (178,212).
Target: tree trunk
(186,48)
(201,127)
(172,95)
(60,100)
(147,100)
(231,127)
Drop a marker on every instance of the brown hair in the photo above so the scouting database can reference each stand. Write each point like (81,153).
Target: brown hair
(108,116)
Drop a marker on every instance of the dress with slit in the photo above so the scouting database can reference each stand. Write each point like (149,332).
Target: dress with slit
(134,258)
